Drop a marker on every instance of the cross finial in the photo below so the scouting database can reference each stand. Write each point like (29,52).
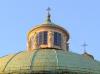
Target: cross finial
(84,46)
(48,17)
(48,9)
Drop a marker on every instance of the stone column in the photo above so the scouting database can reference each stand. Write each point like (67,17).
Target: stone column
(50,39)
(64,43)
(67,46)
(35,43)
(29,44)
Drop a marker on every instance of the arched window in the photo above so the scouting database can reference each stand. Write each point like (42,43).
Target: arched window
(57,39)
(42,37)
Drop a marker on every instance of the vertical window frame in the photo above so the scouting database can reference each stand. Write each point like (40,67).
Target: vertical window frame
(57,39)
(43,38)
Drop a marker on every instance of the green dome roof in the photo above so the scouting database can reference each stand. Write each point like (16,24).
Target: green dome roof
(48,60)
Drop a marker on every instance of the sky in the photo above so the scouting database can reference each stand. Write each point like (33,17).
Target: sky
(80,17)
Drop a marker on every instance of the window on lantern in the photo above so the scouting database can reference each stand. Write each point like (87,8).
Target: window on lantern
(42,37)
(57,39)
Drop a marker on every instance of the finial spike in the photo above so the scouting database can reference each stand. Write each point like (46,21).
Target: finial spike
(48,17)
(84,47)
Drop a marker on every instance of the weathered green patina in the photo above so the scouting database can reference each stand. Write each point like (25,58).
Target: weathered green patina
(48,60)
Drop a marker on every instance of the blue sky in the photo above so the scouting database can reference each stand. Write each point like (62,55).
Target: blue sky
(80,17)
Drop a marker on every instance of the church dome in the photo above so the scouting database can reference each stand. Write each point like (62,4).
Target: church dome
(47,35)
(50,61)
(48,53)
